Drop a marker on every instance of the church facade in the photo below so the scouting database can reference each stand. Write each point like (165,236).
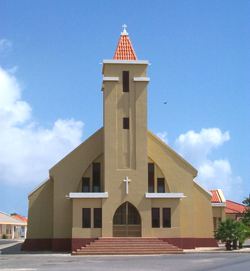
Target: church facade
(123,181)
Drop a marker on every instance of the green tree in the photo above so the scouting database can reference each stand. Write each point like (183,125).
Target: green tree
(242,232)
(246,201)
(246,216)
(226,232)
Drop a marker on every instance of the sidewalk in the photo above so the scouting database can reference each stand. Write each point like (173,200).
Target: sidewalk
(220,249)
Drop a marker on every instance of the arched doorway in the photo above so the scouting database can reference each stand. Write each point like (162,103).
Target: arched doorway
(126,221)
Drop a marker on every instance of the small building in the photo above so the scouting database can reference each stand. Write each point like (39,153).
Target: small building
(223,208)
(218,203)
(234,210)
(12,226)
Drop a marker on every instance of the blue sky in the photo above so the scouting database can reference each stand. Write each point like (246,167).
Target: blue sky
(50,55)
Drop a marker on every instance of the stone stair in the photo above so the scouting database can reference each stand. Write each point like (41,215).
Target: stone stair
(127,246)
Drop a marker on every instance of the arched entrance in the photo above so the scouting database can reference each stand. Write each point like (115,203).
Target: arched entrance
(126,221)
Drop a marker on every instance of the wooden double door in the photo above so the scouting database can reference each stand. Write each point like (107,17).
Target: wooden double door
(127,221)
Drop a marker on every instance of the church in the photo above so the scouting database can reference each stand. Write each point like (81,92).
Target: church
(123,182)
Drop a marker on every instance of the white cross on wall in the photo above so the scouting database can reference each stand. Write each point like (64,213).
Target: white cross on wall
(126,180)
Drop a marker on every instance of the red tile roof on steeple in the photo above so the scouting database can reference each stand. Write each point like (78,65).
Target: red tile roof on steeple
(124,49)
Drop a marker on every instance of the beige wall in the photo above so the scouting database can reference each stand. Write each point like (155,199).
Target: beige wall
(40,216)
(202,213)
(175,229)
(77,230)
(67,174)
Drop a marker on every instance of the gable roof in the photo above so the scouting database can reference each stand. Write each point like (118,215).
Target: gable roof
(234,207)
(174,154)
(217,196)
(124,49)
(19,217)
(8,220)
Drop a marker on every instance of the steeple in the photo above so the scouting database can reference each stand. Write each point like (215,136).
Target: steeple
(124,49)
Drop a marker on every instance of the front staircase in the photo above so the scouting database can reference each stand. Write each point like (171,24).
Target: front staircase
(127,246)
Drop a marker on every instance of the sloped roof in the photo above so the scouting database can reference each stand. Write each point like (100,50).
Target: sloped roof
(234,207)
(8,220)
(124,49)
(217,196)
(19,217)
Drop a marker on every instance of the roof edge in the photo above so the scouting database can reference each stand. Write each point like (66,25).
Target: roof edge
(38,186)
(193,170)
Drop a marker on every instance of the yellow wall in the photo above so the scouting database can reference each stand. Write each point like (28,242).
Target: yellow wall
(67,174)
(40,216)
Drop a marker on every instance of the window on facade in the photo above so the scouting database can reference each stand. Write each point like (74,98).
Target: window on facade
(86,217)
(125,81)
(151,176)
(160,185)
(166,218)
(96,175)
(85,184)
(97,217)
(125,123)
(155,217)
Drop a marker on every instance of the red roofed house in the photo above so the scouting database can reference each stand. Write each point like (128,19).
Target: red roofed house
(218,203)
(234,210)
(223,208)
(12,226)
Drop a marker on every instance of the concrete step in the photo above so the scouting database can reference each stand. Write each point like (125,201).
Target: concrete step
(125,253)
(127,246)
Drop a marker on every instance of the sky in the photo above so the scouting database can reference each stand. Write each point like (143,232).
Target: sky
(50,84)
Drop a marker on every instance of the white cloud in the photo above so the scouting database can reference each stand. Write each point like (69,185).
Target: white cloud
(5,45)
(197,148)
(163,136)
(27,149)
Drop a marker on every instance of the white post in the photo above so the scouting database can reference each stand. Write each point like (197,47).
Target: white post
(12,232)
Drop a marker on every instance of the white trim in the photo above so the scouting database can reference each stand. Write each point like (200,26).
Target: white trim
(218,204)
(88,195)
(141,79)
(114,61)
(164,195)
(107,78)
(221,195)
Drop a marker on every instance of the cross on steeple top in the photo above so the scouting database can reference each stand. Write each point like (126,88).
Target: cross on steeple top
(124,32)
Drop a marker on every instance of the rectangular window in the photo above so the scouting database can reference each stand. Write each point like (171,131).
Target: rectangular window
(160,185)
(125,81)
(125,123)
(151,177)
(155,218)
(86,217)
(96,175)
(85,184)
(97,217)
(166,216)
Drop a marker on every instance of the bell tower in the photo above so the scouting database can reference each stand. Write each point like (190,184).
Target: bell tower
(125,122)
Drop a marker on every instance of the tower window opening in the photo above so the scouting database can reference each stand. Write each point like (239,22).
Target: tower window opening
(125,81)
(125,123)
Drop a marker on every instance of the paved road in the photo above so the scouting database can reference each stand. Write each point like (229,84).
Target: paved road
(187,262)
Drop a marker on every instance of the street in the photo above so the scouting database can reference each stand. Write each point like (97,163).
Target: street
(192,262)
